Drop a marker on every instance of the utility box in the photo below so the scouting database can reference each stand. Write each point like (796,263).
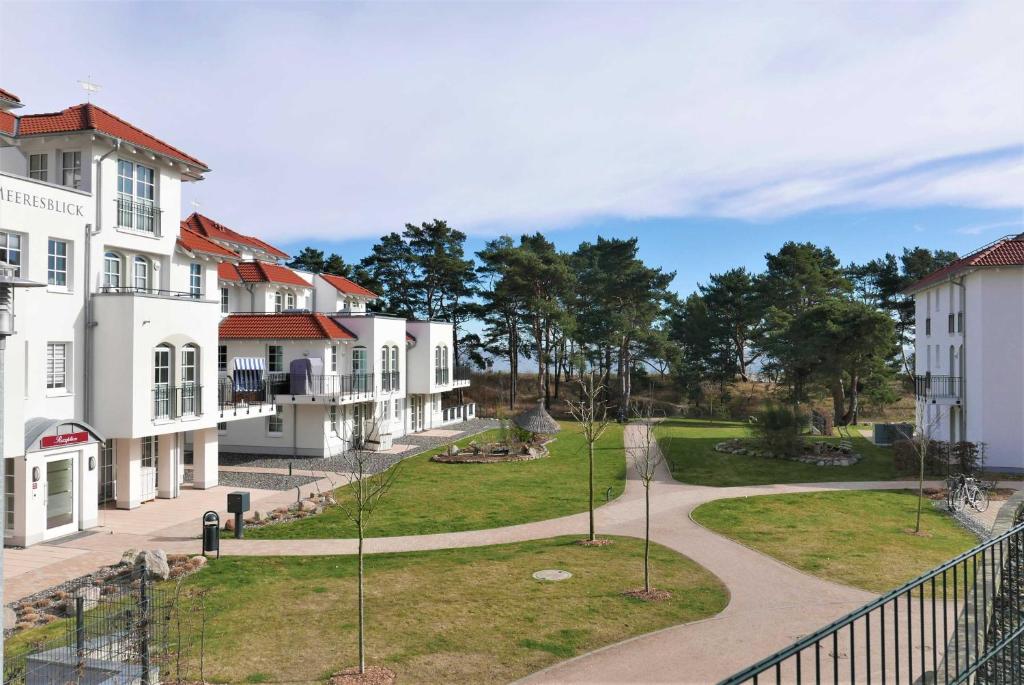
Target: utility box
(238,502)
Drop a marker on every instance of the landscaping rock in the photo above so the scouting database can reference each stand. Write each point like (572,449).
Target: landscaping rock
(90,594)
(198,561)
(229,525)
(307,506)
(155,560)
(129,556)
(10,618)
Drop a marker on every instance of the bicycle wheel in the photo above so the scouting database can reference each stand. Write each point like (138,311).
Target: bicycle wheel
(980,499)
(959,499)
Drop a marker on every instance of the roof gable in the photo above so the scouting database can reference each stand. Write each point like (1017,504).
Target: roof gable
(346,286)
(193,242)
(284,326)
(1007,251)
(260,272)
(218,231)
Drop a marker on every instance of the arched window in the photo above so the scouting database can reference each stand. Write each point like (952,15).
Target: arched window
(394,365)
(385,369)
(162,382)
(112,270)
(189,380)
(140,273)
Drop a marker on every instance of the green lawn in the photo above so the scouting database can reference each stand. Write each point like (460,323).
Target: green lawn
(464,615)
(689,447)
(429,497)
(856,538)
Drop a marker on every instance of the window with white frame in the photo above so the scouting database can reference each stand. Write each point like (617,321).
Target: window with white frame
(334,358)
(275,358)
(112,270)
(195,279)
(275,422)
(9,483)
(57,262)
(222,357)
(189,380)
(385,375)
(332,415)
(278,301)
(38,166)
(150,445)
(57,366)
(289,301)
(394,365)
(10,250)
(136,188)
(140,273)
(71,169)
(225,299)
(385,411)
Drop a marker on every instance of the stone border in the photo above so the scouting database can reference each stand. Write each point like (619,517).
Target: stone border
(737,447)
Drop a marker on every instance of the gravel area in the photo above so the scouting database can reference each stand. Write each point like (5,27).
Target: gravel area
(262,481)
(341,464)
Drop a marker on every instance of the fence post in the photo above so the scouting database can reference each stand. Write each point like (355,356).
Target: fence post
(80,634)
(144,624)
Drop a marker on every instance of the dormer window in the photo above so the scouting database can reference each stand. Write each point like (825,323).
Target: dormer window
(278,302)
(289,301)
(71,169)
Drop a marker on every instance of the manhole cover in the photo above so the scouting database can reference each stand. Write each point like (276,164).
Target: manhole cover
(552,574)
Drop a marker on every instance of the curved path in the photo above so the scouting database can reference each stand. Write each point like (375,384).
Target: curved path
(771,604)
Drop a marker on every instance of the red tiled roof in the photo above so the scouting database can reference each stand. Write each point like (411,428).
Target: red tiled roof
(89,117)
(8,95)
(283,327)
(1007,251)
(193,242)
(260,272)
(206,226)
(344,285)
(7,121)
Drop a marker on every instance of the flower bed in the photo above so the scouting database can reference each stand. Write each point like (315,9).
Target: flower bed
(817,453)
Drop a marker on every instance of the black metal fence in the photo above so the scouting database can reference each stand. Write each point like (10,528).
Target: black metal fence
(937,386)
(353,385)
(234,399)
(138,215)
(172,402)
(132,629)
(961,622)
(142,290)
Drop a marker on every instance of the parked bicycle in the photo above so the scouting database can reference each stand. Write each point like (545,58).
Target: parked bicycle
(963,491)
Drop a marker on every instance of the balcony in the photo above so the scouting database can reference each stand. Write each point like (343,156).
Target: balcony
(390,381)
(285,387)
(458,413)
(134,215)
(238,400)
(184,401)
(938,387)
(462,375)
(152,292)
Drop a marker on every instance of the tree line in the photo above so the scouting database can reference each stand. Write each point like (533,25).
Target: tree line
(805,322)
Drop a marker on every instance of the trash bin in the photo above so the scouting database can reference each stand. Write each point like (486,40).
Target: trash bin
(211,533)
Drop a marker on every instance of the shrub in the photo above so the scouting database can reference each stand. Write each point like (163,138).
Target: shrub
(778,430)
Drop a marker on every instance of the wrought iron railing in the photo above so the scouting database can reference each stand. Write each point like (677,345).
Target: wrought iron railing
(937,386)
(323,385)
(234,398)
(141,216)
(441,376)
(959,623)
(158,292)
(462,373)
(170,402)
(390,381)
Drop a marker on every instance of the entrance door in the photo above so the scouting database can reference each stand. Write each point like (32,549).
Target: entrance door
(108,473)
(416,412)
(358,416)
(60,497)
(148,469)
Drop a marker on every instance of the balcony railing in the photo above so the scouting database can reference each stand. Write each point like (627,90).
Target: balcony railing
(236,398)
(462,412)
(170,402)
(937,386)
(322,385)
(138,216)
(390,381)
(441,376)
(462,373)
(156,292)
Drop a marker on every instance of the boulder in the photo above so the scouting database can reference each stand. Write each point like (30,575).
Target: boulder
(198,561)
(229,524)
(307,505)
(155,560)
(129,556)
(259,516)
(10,618)
(91,595)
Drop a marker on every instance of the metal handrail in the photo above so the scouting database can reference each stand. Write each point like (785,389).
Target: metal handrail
(390,381)
(159,292)
(325,385)
(462,373)
(174,402)
(1014,553)
(138,216)
(937,386)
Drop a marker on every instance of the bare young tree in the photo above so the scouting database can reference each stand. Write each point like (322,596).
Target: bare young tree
(370,478)
(592,414)
(646,457)
(921,444)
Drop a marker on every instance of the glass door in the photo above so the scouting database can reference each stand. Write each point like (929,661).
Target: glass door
(60,493)
(148,469)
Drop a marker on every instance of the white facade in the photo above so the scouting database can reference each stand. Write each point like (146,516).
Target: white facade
(969,360)
(113,365)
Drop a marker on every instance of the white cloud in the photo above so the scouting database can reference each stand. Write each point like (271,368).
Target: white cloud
(335,120)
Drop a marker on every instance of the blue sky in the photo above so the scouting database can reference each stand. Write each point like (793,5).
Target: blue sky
(713,131)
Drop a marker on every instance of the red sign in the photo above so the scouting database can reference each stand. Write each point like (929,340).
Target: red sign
(63,439)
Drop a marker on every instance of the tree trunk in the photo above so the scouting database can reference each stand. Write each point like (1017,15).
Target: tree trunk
(362,649)
(593,535)
(838,401)
(647,537)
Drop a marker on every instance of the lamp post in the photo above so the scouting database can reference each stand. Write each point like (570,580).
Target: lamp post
(9,281)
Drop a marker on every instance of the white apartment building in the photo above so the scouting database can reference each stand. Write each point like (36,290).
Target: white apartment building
(340,375)
(969,352)
(113,366)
